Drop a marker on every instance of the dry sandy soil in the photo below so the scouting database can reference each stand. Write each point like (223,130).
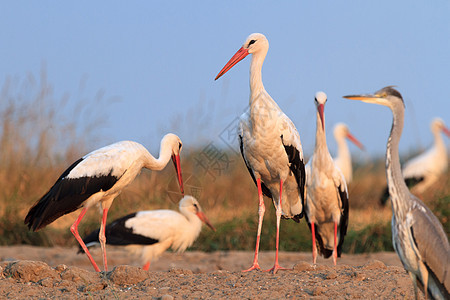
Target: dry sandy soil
(33,272)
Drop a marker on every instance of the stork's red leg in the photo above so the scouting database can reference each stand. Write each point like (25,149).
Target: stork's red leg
(146,266)
(335,244)
(276,266)
(261,211)
(102,238)
(314,250)
(74,230)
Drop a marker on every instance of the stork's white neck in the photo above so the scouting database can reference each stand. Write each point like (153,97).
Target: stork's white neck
(157,164)
(343,153)
(256,84)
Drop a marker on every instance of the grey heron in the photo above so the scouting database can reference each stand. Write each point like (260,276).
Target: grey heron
(418,237)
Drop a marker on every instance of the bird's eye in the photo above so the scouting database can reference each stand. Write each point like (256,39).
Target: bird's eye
(251,42)
(315,99)
(179,146)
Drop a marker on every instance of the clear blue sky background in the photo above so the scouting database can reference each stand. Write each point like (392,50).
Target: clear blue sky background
(160,59)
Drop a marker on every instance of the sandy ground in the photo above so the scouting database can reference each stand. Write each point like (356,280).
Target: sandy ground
(34,272)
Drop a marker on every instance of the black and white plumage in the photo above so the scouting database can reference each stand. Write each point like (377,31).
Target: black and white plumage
(270,145)
(417,235)
(326,205)
(152,232)
(423,171)
(98,178)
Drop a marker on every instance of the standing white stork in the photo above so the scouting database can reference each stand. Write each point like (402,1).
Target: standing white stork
(343,160)
(98,178)
(270,146)
(326,206)
(418,237)
(422,171)
(152,232)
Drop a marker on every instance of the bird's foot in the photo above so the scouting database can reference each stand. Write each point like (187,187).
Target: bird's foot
(255,266)
(275,269)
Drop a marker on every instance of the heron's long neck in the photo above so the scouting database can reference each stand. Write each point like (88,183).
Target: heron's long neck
(159,163)
(397,188)
(256,84)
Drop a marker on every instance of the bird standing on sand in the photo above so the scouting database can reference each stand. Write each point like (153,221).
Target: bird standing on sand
(98,178)
(418,237)
(152,232)
(326,205)
(343,160)
(270,146)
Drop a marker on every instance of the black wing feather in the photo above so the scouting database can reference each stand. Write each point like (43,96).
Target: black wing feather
(66,196)
(343,224)
(264,188)
(297,166)
(118,234)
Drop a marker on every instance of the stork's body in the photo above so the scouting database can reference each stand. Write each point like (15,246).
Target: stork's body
(270,145)
(418,237)
(428,167)
(343,160)
(326,206)
(152,232)
(98,178)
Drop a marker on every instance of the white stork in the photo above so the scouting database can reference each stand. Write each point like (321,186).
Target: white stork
(152,232)
(270,146)
(343,160)
(98,178)
(424,170)
(326,206)
(417,235)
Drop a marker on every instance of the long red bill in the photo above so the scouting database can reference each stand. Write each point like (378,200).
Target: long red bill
(355,141)
(177,164)
(446,131)
(205,220)
(237,57)
(321,108)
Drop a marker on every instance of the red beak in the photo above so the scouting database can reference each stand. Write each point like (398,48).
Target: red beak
(320,109)
(240,55)
(355,141)
(205,220)
(176,163)
(446,131)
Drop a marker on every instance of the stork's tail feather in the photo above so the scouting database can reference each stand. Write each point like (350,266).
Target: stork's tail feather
(41,214)
(90,240)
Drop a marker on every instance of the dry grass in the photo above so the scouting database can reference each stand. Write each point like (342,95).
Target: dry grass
(38,142)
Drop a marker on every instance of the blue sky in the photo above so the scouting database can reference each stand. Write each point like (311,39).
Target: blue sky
(159,59)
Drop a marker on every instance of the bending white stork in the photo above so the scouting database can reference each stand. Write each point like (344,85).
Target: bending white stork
(98,178)
(422,171)
(326,206)
(418,237)
(152,232)
(343,160)
(270,146)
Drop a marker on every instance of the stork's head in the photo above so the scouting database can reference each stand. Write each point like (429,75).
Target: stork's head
(320,100)
(438,125)
(255,43)
(341,131)
(175,144)
(387,96)
(190,205)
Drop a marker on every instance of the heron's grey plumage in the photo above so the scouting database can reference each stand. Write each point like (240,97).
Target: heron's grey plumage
(418,237)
